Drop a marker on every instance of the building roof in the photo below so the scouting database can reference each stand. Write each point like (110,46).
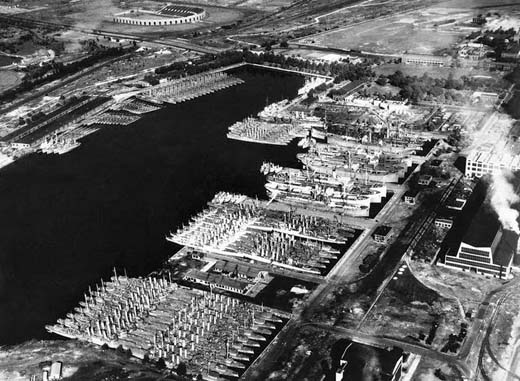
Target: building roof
(382,230)
(417,56)
(483,229)
(506,248)
(217,279)
(411,193)
(233,268)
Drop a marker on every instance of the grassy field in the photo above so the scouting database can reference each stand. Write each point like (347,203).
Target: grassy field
(434,72)
(8,79)
(408,32)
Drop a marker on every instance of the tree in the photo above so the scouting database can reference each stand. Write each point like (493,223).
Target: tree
(181,370)
(161,364)
(382,80)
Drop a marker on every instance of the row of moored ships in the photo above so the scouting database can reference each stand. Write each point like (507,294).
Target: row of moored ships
(340,193)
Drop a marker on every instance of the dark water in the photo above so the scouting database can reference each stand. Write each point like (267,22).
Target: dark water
(67,220)
(7,60)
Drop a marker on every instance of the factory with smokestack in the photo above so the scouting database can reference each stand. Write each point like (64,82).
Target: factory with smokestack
(487,247)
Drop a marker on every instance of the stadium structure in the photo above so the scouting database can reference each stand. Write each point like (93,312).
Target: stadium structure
(171,14)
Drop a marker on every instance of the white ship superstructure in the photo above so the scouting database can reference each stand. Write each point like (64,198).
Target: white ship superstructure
(308,186)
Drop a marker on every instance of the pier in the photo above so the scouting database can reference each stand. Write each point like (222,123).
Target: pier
(238,227)
(185,89)
(212,334)
(260,131)
(118,118)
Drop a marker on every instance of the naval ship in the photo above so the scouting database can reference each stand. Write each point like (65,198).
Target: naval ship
(295,185)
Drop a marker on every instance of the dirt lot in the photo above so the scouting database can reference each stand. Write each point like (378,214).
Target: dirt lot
(469,289)
(427,367)
(80,362)
(407,308)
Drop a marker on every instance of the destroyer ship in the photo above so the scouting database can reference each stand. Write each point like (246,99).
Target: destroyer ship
(360,163)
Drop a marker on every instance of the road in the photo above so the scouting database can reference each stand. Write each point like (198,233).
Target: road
(480,344)
(385,341)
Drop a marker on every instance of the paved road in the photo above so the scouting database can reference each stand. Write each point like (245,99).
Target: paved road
(385,341)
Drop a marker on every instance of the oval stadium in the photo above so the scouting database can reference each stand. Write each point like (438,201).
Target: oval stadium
(171,14)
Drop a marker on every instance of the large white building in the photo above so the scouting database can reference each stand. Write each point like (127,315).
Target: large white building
(489,159)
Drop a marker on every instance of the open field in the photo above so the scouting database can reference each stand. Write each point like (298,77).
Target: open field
(261,5)
(406,28)
(470,289)
(427,366)
(8,79)
(411,32)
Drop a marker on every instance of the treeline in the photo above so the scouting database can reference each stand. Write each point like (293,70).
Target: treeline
(37,75)
(426,88)
(500,40)
(339,70)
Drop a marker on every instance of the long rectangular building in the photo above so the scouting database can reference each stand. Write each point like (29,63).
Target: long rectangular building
(426,59)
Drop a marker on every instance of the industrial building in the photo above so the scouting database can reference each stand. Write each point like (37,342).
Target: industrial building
(425,180)
(382,234)
(410,197)
(486,248)
(217,280)
(444,223)
(488,159)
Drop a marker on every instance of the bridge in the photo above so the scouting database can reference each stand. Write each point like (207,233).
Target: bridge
(292,71)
